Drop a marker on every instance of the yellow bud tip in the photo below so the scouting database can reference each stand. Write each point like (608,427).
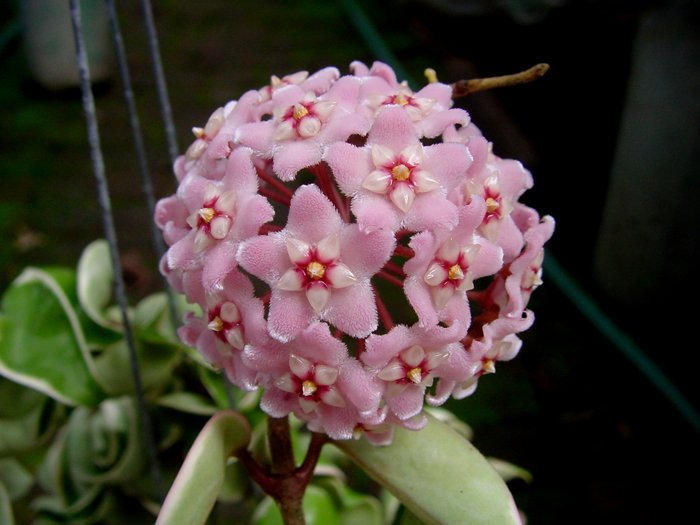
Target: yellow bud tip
(315,270)
(207,214)
(430,75)
(401,99)
(299,112)
(492,205)
(455,272)
(489,367)
(198,132)
(308,387)
(216,324)
(415,375)
(400,172)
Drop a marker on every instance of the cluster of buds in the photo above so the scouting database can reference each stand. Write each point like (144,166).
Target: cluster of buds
(356,248)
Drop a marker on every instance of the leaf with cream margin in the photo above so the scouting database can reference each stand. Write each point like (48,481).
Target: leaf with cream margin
(6,514)
(42,344)
(95,281)
(438,475)
(201,477)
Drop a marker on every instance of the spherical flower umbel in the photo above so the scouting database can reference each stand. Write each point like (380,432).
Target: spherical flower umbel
(354,246)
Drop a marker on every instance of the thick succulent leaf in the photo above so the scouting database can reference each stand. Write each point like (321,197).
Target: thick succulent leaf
(95,281)
(25,419)
(156,358)
(438,475)
(354,508)
(201,477)
(408,518)
(16,479)
(509,471)
(42,344)
(6,514)
(104,446)
(188,402)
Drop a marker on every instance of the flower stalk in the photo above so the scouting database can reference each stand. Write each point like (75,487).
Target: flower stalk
(282,480)
(462,88)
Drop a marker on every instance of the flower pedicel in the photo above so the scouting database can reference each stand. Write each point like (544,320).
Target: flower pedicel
(356,248)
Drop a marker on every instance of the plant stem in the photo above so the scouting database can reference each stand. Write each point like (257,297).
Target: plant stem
(283,480)
(462,88)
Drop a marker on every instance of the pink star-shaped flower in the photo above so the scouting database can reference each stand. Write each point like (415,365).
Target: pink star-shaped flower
(445,265)
(430,108)
(318,267)
(407,360)
(394,180)
(232,318)
(303,124)
(316,379)
(215,213)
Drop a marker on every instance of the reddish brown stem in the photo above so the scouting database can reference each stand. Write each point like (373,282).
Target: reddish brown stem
(404,251)
(282,199)
(278,185)
(328,187)
(267,228)
(390,278)
(463,88)
(283,481)
(383,311)
(393,267)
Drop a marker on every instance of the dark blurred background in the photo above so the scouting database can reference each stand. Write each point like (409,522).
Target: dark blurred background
(611,135)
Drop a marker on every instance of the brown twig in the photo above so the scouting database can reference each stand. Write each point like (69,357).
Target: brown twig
(462,88)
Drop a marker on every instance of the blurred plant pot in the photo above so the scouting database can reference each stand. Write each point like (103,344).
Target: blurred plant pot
(50,46)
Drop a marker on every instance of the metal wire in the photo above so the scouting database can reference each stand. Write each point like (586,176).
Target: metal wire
(98,166)
(161,85)
(146,179)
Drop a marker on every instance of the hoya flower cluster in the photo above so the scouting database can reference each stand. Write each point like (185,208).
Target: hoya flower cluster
(356,248)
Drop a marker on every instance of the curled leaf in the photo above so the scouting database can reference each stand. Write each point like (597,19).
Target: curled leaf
(201,477)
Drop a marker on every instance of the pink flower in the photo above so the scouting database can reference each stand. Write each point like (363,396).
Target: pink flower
(503,349)
(319,382)
(303,124)
(428,108)
(445,267)
(394,180)
(232,319)
(408,360)
(318,267)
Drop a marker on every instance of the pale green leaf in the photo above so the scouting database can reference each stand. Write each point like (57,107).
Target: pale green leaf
(438,475)
(95,281)
(200,479)
(355,508)
(156,360)
(188,402)
(6,513)
(42,345)
(508,471)
(15,477)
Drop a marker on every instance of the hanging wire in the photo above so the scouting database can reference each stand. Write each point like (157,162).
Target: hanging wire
(168,122)
(146,180)
(110,233)
(552,268)
(161,85)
